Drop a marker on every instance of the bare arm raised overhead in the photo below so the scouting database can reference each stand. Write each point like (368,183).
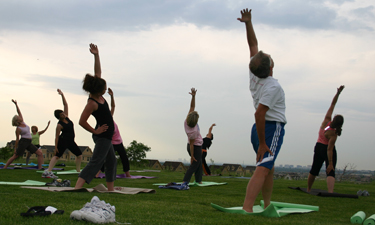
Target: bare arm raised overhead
(110,92)
(328,116)
(18,110)
(95,51)
(65,103)
(192,103)
(209,135)
(251,38)
(42,131)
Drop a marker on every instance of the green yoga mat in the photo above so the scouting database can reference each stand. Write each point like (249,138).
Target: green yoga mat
(194,184)
(61,172)
(370,220)
(25,183)
(275,209)
(359,217)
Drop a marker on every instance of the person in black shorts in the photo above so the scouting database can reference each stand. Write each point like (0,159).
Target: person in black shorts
(65,140)
(207,141)
(24,143)
(325,150)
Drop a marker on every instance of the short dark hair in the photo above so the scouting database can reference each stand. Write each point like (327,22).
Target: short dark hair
(57,113)
(260,65)
(93,84)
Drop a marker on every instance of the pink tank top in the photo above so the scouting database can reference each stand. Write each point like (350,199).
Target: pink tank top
(322,138)
(116,138)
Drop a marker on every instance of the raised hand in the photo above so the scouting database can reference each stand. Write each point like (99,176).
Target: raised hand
(60,92)
(339,90)
(193,91)
(94,49)
(110,92)
(14,101)
(245,16)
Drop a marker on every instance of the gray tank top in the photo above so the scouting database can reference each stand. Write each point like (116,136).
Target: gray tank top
(25,131)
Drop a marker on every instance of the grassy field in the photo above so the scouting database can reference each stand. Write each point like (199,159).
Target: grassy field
(178,207)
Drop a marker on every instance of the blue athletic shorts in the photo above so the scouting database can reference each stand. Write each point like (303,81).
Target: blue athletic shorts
(274,139)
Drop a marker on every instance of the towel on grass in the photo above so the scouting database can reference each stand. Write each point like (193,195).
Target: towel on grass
(102,175)
(99,188)
(177,186)
(275,209)
(61,172)
(28,182)
(324,193)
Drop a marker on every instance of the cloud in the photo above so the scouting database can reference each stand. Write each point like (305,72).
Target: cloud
(118,15)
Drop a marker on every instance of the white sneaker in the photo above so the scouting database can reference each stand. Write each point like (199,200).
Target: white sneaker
(49,174)
(89,206)
(105,214)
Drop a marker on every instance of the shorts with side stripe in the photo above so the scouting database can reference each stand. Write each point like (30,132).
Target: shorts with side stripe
(274,132)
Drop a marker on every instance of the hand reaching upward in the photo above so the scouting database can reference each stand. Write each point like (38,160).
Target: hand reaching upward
(245,16)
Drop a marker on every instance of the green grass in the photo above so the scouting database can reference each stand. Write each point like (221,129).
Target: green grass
(178,207)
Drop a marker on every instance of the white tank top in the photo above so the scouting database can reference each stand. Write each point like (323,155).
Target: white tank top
(25,131)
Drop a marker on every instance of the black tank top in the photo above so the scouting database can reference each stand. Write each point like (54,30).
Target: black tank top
(206,143)
(68,129)
(103,116)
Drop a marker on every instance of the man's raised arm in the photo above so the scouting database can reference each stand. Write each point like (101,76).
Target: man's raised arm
(251,38)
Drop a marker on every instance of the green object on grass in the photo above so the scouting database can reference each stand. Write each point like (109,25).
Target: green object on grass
(275,209)
(61,172)
(25,183)
(205,184)
(370,220)
(194,184)
(359,217)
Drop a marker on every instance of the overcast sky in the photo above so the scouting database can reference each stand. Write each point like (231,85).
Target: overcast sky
(153,52)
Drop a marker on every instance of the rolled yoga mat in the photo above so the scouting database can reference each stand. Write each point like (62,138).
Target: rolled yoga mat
(370,220)
(358,218)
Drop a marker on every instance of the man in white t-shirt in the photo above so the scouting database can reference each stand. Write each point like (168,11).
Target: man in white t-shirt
(268,131)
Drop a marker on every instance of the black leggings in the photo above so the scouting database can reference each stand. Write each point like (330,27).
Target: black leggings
(196,166)
(120,149)
(206,169)
(320,156)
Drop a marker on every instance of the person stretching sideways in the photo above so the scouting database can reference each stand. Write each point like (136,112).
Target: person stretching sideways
(25,142)
(268,131)
(103,132)
(325,150)
(64,139)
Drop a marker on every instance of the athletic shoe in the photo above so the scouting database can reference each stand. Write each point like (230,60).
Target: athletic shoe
(89,206)
(49,174)
(365,193)
(360,192)
(184,186)
(105,214)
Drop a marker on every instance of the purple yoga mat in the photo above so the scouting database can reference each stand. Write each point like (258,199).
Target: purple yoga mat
(102,175)
(29,168)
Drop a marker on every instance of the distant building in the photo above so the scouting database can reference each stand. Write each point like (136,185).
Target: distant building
(292,176)
(153,164)
(222,170)
(174,166)
(235,168)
